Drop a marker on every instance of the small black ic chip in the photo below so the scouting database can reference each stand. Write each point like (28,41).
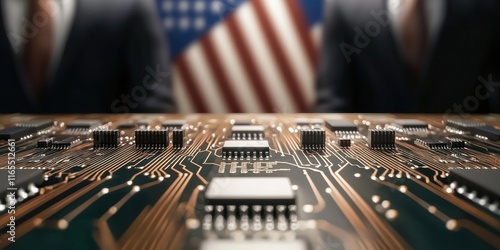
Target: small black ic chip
(241,122)
(302,121)
(382,139)
(16,133)
(487,131)
(127,125)
(45,143)
(38,125)
(455,143)
(344,143)
(178,138)
(341,125)
(173,124)
(151,139)
(106,138)
(24,179)
(463,124)
(65,142)
(317,122)
(410,124)
(313,139)
(433,143)
(485,182)
(308,122)
(83,124)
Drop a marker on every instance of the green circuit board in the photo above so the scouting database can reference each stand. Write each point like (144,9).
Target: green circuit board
(261,181)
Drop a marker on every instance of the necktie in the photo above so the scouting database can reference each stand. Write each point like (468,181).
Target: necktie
(414,34)
(38,49)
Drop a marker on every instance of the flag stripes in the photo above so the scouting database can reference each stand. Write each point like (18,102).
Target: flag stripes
(259,58)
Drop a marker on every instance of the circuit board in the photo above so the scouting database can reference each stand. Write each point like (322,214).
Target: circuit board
(261,181)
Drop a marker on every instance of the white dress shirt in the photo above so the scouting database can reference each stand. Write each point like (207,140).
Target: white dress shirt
(15,13)
(435,11)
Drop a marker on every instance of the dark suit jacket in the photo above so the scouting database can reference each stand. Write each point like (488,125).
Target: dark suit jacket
(115,60)
(455,76)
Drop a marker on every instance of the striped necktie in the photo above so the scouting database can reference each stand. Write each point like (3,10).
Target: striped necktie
(38,49)
(414,34)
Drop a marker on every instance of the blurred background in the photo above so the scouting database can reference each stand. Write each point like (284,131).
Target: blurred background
(250,56)
(243,55)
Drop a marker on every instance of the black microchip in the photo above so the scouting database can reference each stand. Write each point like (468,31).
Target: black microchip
(241,122)
(316,122)
(344,143)
(341,125)
(253,148)
(313,139)
(16,133)
(410,124)
(456,143)
(38,125)
(106,138)
(433,143)
(83,124)
(307,122)
(487,131)
(463,124)
(247,132)
(173,124)
(127,125)
(151,139)
(65,142)
(382,139)
(21,179)
(178,138)
(302,121)
(45,143)
(485,182)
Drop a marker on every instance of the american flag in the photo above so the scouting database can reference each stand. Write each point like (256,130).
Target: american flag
(253,56)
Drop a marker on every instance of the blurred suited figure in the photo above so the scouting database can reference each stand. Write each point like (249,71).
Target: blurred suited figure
(410,56)
(78,56)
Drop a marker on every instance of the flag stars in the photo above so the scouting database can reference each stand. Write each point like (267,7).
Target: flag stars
(168,5)
(199,6)
(199,23)
(216,6)
(168,23)
(183,6)
(192,15)
(184,23)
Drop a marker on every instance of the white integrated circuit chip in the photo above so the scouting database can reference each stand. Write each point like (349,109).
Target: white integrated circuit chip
(250,191)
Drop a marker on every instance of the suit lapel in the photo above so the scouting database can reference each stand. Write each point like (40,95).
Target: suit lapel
(16,69)
(454,11)
(399,62)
